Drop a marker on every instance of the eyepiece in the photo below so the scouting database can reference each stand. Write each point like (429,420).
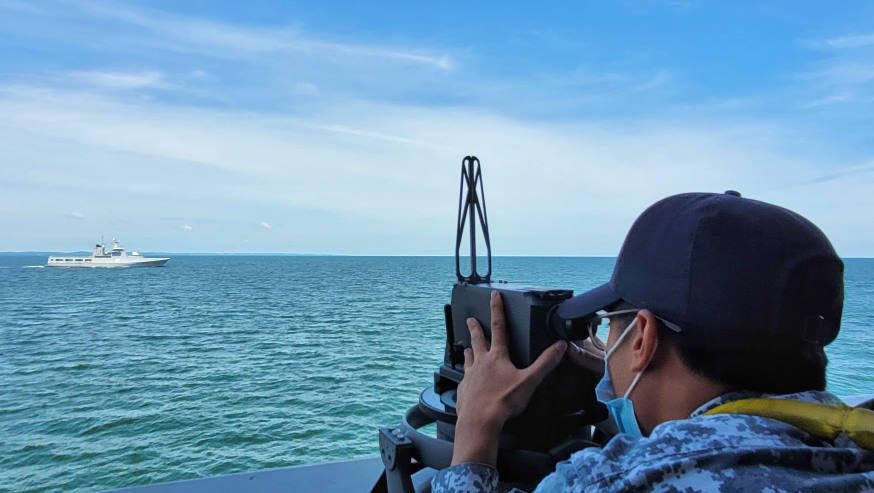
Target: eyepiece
(574,329)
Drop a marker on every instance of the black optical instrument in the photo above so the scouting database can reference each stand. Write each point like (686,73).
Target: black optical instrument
(559,418)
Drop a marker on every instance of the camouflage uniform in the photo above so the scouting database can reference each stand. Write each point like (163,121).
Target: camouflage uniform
(724,452)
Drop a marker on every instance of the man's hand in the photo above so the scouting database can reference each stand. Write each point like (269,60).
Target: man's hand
(493,389)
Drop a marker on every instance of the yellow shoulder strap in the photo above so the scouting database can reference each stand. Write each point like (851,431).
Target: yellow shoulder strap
(825,421)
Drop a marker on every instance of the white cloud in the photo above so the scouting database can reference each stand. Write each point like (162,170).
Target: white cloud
(187,228)
(842,82)
(223,40)
(659,79)
(834,98)
(854,41)
(845,74)
(840,173)
(379,174)
(389,174)
(77,215)
(121,80)
(306,89)
(287,67)
(22,6)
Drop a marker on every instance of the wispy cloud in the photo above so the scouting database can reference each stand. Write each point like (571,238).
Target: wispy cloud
(854,41)
(360,132)
(845,74)
(841,173)
(660,79)
(290,69)
(223,40)
(614,81)
(76,215)
(832,99)
(121,80)
(306,89)
(22,6)
(391,180)
(335,137)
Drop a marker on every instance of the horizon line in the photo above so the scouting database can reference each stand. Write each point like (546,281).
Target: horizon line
(287,254)
(291,254)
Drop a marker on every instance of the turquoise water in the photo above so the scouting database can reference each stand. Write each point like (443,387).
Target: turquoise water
(220,364)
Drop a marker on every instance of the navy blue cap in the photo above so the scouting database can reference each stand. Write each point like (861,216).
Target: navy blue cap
(724,266)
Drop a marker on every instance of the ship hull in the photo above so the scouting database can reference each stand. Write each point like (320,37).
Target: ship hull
(80,262)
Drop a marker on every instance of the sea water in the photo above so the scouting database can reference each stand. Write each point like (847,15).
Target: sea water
(220,364)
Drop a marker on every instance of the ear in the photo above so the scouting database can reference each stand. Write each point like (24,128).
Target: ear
(645,340)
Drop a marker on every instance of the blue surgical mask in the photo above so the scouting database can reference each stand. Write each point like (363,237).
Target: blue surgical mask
(621,408)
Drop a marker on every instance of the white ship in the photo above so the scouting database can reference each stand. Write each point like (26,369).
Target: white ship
(99,257)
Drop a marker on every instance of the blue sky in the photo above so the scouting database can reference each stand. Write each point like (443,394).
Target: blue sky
(339,128)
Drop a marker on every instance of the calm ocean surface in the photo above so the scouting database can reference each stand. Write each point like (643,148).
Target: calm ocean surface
(221,364)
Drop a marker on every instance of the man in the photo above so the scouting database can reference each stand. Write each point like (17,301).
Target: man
(715,302)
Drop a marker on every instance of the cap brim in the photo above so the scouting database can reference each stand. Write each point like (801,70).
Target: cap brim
(586,304)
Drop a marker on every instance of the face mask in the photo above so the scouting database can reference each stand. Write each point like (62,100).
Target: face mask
(621,408)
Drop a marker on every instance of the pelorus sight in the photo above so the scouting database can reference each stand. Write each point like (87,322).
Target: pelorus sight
(559,418)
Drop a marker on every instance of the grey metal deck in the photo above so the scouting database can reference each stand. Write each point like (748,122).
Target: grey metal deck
(355,475)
